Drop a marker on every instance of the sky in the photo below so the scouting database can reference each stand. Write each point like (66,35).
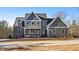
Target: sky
(10,13)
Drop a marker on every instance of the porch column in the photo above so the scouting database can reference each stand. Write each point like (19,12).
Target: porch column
(29,31)
(24,32)
(48,32)
(35,33)
(60,31)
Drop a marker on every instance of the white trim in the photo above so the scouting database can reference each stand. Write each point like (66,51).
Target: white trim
(32,20)
(47,32)
(51,22)
(56,19)
(37,16)
(57,27)
(65,22)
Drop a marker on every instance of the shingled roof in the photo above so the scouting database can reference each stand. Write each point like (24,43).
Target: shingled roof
(38,14)
(42,18)
(49,20)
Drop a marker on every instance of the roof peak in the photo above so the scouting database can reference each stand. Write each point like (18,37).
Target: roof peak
(32,12)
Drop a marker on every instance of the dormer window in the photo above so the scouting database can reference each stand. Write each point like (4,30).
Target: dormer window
(58,22)
(19,22)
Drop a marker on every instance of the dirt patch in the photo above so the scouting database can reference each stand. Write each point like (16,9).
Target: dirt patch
(57,48)
(45,48)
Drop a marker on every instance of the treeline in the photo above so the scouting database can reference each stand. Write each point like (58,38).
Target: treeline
(5,29)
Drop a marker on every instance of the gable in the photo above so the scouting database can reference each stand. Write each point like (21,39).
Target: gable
(33,17)
(57,22)
(38,14)
(18,19)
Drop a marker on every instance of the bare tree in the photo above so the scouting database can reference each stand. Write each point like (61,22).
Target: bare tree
(74,29)
(61,14)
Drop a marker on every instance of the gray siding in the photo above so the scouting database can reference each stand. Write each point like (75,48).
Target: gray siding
(18,32)
(44,24)
(57,32)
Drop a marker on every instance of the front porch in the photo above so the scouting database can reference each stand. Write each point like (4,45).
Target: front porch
(32,33)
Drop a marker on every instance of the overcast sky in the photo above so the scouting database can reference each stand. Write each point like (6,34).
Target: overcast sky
(10,13)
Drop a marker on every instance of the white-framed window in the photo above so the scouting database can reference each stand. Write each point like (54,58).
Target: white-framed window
(54,31)
(23,23)
(62,31)
(19,31)
(28,22)
(33,23)
(58,22)
(19,22)
(38,23)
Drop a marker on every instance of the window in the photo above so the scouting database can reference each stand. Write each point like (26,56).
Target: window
(37,23)
(58,22)
(23,24)
(63,31)
(19,31)
(19,22)
(32,23)
(54,31)
(28,22)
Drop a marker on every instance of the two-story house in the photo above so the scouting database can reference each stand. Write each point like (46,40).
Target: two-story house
(38,25)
